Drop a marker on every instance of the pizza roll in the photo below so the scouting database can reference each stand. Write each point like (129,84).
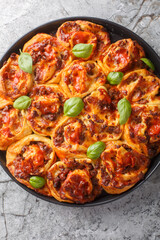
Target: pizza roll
(73,181)
(143,129)
(49,57)
(13,125)
(84,37)
(100,115)
(141,86)
(74,32)
(14,82)
(121,56)
(31,156)
(121,167)
(81,77)
(70,138)
(46,108)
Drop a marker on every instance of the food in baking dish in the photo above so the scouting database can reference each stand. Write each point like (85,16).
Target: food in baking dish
(13,125)
(49,58)
(143,128)
(46,108)
(100,114)
(121,167)
(85,120)
(31,156)
(14,82)
(73,180)
(74,32)
(82,77)
(121,56)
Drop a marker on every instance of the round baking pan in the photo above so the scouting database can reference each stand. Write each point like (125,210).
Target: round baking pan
(116,32)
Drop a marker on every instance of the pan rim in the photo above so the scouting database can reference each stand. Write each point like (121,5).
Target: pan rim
(104,22)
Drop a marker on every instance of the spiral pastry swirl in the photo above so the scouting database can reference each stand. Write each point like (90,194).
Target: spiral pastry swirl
(143,129)
(121,56)
(100,114)
(13,125)
(46,108)
(82,77)
(30,156)
(141,86)
(71,138)
(73,181)
(13,81)
(121,167)
(49,58)
(71,33)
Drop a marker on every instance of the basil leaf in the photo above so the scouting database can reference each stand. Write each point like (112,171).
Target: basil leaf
(73,106)
(124,109)
(115,78)
(25,62)
(22,102)
(94,151)
(148,63)
(82,50)
(37,182)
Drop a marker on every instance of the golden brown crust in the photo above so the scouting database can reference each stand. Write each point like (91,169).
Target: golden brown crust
(49,58)
(141,86)
(100,114)
(73,181)
(121,56)
(71,138)
(143,129)
(121,167)
(74,32)
(14,82)
(13,125)
(82,77)
(30,156)
(46,108)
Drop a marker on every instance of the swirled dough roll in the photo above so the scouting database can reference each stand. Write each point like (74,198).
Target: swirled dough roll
(141,86)
(46,108)
(49,58)
(31,156)
(82,77)
(70,138)
(121,167)
(73,181)
(74,32)
(100,114)
(14,82)
(121,56)
(143,128)
(13,126)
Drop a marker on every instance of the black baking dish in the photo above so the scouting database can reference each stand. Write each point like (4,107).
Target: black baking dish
(116,32)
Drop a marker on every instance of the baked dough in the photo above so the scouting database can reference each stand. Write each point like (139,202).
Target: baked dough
(49,58)
(13,126)
(73,181)
(141,86)
(121,56)
(143,129)
(14,82)
(46,108)
(71,138)
(30,156)
(100,114)
(74,32)
(121,167)
(81,77)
